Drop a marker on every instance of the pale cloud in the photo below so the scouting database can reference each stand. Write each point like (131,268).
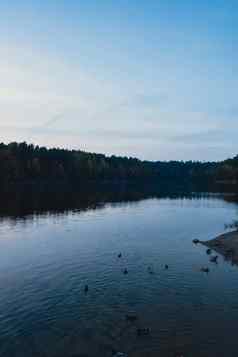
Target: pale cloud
(160,111)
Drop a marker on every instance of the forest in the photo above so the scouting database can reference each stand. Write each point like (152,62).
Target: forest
(23,163)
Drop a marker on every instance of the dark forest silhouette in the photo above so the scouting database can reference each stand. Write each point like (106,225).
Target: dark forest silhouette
(23,163)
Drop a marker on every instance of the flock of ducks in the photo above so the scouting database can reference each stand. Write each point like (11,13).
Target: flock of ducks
(213,259)
(125,272)
(133,318)
(150,270)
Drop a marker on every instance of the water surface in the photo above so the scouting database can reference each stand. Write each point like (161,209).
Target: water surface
(46,259)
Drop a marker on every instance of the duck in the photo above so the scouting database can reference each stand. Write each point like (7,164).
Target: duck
(166,267)
(119,255)
(86,288)
(214,259)
(125,271)
(209,251)
(150,270)
(143,331)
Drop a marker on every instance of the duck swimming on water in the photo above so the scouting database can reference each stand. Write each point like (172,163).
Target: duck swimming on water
(214,259)
(150,270)
(143,331)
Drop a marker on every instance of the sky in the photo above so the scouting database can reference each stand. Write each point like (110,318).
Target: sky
(155,79)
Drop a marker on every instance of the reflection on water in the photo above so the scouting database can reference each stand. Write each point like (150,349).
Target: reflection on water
(23,200)
(51,248)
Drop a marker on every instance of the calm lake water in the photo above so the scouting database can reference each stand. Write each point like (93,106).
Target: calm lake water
(46,259)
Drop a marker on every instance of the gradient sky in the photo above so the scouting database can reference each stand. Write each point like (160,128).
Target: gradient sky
(153,79)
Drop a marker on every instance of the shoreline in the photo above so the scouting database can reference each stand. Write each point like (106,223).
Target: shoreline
(225,244)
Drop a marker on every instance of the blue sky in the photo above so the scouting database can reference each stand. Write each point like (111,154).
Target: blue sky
(152,79)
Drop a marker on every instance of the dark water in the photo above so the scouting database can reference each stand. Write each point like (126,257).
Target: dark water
(46,259)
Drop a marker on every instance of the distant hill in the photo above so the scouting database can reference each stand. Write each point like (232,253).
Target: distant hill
(22,162)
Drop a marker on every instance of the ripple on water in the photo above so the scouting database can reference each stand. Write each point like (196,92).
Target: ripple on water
(43,307)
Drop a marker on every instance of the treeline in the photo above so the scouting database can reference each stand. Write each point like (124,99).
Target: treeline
(20,163)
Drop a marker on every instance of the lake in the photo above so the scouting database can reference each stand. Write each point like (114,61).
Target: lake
(47,258)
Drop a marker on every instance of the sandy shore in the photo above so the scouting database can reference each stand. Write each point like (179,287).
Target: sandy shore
(225,244)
